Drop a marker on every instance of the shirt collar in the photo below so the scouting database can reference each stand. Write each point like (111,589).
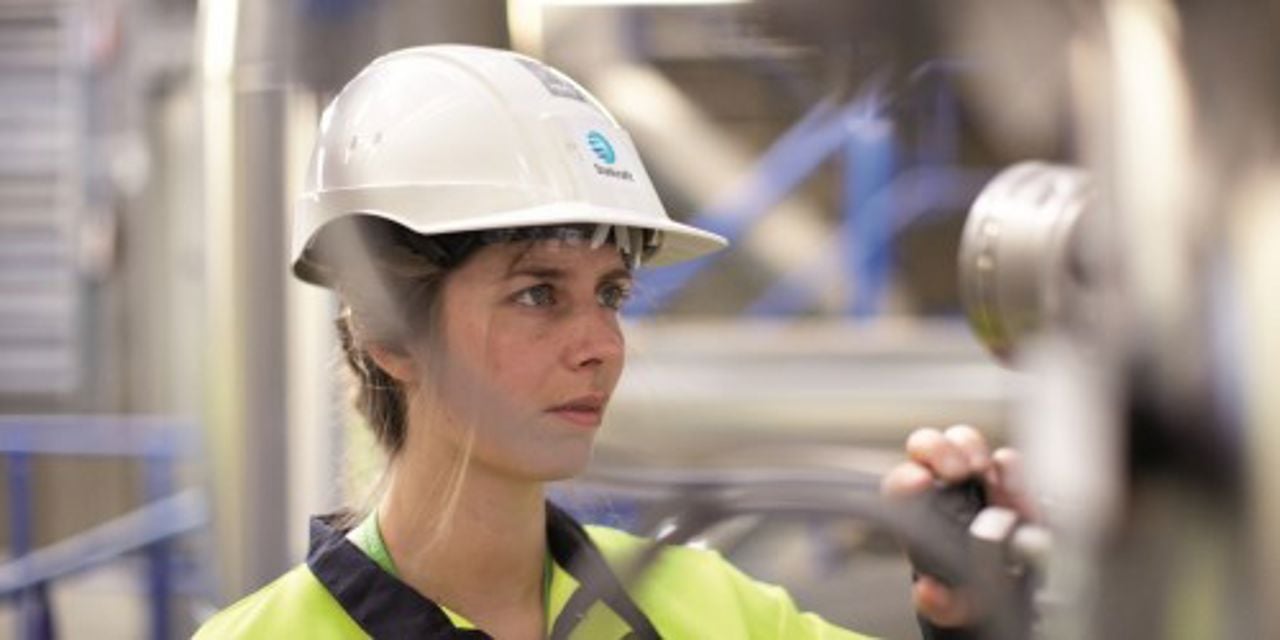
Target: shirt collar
(386,607)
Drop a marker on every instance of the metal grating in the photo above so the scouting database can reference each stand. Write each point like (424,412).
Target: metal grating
(41,111)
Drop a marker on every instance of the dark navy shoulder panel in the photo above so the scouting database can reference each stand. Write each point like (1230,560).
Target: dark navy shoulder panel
(385,607)
(379,602)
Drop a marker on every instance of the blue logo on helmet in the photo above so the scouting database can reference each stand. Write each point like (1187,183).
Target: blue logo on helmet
(601,147)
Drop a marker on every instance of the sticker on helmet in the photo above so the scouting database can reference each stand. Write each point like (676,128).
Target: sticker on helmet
(605,165)
(605,157)
(600,146)
(555,84)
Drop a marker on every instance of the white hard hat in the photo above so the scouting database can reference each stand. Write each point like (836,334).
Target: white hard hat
(450,138)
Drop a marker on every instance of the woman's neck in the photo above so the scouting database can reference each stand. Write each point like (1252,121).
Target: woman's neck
(484,557)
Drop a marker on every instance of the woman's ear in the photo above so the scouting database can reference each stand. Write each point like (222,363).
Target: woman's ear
(397,362)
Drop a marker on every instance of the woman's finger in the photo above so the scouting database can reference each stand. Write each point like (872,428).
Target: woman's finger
(930,449)
(1010,488)
(941,605)
(906,479)
(1008,463)
(973,445)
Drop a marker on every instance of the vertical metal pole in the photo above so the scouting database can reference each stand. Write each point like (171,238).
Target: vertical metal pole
(34,620)
(159,580)
(946,124)
(939,116)
(246,64)
(868,169)
(20,518)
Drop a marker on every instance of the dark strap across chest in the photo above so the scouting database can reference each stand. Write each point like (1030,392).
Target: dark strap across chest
(385,607)
(573,549)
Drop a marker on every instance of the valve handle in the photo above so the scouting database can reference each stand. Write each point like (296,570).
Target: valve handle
(948,510)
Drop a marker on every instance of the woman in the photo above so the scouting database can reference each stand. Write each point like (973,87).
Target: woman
(480,216)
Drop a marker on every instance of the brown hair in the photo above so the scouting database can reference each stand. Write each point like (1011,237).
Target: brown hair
(377,396)
(388,280)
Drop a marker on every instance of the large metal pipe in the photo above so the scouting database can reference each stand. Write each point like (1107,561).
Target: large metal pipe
(244,53)
(1173,106)
(265,65)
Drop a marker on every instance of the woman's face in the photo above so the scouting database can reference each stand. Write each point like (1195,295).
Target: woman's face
(532,351)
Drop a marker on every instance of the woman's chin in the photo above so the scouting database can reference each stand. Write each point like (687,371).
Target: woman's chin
(562,465)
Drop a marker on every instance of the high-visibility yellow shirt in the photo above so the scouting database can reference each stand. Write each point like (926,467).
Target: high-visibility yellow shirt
(347,589)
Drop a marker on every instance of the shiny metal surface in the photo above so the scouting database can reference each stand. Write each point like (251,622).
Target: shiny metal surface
(1016,253)
(693,389)
(804,403)
(244,101)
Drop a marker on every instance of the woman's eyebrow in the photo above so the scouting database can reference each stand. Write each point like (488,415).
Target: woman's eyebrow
(616,275)
(543,272)
(539,272)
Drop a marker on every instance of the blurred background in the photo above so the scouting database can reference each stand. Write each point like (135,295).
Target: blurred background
(172,406)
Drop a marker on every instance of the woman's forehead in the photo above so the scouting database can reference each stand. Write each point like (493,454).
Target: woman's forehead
(568,256)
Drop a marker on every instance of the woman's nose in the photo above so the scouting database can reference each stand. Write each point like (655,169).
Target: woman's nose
(597,340)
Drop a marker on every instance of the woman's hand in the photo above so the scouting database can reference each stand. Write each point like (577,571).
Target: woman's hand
(953,456)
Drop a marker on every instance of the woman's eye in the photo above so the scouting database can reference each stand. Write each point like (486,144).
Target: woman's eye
(538,296)
(613,296)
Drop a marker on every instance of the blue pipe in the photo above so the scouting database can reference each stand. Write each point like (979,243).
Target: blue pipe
(168,517)
(915,194)
(818,135)
(86,435)
(791,159)
(20,503)
(156,439)
(159,579)
(20,538)
(868,167)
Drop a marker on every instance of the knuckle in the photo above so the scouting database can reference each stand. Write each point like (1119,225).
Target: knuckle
(967,434)
(1007,455)
(922,439)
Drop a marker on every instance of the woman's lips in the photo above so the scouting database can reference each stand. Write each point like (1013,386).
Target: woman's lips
(587,411)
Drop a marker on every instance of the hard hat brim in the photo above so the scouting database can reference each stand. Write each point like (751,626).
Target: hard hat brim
(681,242)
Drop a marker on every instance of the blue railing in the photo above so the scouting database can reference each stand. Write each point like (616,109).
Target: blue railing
(885,185)
(157,443)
